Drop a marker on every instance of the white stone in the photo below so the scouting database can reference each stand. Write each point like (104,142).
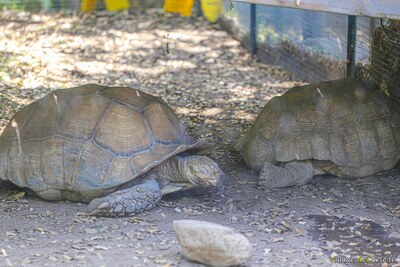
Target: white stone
(212,244)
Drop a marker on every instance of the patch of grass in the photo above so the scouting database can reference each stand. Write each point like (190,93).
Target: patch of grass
(22,5)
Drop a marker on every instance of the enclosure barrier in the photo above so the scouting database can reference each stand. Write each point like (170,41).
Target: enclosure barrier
(321,39)
(315,39)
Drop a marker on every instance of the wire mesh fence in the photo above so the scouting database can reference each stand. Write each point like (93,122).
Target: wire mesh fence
(300,43)
(314,45)
(385,57)
(298,40)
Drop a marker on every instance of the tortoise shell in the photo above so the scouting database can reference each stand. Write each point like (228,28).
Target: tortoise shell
(89,139)
(352,125)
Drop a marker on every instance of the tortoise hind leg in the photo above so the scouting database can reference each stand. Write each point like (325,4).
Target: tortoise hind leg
(292,173)
(127,202)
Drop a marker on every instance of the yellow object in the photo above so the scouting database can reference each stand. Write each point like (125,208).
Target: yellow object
(183,7)
(116,5)
(111,5)
(88,5)
(211,9)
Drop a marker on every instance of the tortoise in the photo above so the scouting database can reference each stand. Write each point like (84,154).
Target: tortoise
(118,148)
(346,128)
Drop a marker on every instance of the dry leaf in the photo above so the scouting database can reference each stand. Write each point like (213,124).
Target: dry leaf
(286,224)
(299,231)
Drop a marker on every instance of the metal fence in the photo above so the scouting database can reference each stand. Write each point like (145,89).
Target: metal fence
(385,57)
(319,46)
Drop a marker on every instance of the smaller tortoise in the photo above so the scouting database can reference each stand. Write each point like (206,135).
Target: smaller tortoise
(116,147)
(344,127)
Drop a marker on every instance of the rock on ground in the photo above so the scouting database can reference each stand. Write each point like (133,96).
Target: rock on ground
(211,243)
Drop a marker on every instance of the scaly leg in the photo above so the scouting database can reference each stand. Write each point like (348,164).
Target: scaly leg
(127,202)
(292,173)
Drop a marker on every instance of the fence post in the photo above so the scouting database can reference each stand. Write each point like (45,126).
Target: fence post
(253,29)
(351,46)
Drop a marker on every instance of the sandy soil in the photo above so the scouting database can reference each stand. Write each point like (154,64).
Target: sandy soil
(217,89)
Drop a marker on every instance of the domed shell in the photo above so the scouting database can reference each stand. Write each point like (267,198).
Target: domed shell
(89,139)
(349,123)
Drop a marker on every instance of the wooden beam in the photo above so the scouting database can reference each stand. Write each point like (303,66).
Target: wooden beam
(372,8)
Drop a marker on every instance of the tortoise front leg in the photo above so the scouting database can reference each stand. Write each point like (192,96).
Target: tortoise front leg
(127,202)
(292,173)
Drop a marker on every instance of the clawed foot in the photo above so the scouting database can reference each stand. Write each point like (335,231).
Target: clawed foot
(127,202)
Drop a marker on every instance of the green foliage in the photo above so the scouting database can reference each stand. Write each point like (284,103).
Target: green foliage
(26,5)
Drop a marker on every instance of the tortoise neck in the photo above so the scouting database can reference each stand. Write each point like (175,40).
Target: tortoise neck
(171,169)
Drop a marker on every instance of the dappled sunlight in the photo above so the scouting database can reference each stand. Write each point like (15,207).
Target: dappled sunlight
(185,111)
(283,85)
(245,116)
(177,64)
(93,67)
(184,35)
(205,75)
(210,112)
(194,49)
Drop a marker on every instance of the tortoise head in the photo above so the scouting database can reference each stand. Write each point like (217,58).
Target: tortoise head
(201,176)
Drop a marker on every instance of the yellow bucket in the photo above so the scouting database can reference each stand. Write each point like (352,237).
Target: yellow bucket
(116,5)
(88,5)
(183,7)
(111,5)
(211,9)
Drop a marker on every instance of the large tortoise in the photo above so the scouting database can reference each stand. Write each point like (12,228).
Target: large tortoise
(114,147)
(344,127)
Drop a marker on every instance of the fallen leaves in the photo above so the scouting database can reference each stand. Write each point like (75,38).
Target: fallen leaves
(299,231)
(18,196)
(277,239)
(43,231)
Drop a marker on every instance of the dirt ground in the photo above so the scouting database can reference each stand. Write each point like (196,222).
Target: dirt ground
(217,89)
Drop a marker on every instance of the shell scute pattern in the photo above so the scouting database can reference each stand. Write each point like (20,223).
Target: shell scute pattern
(89,139)
(351,124)
(131,136)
